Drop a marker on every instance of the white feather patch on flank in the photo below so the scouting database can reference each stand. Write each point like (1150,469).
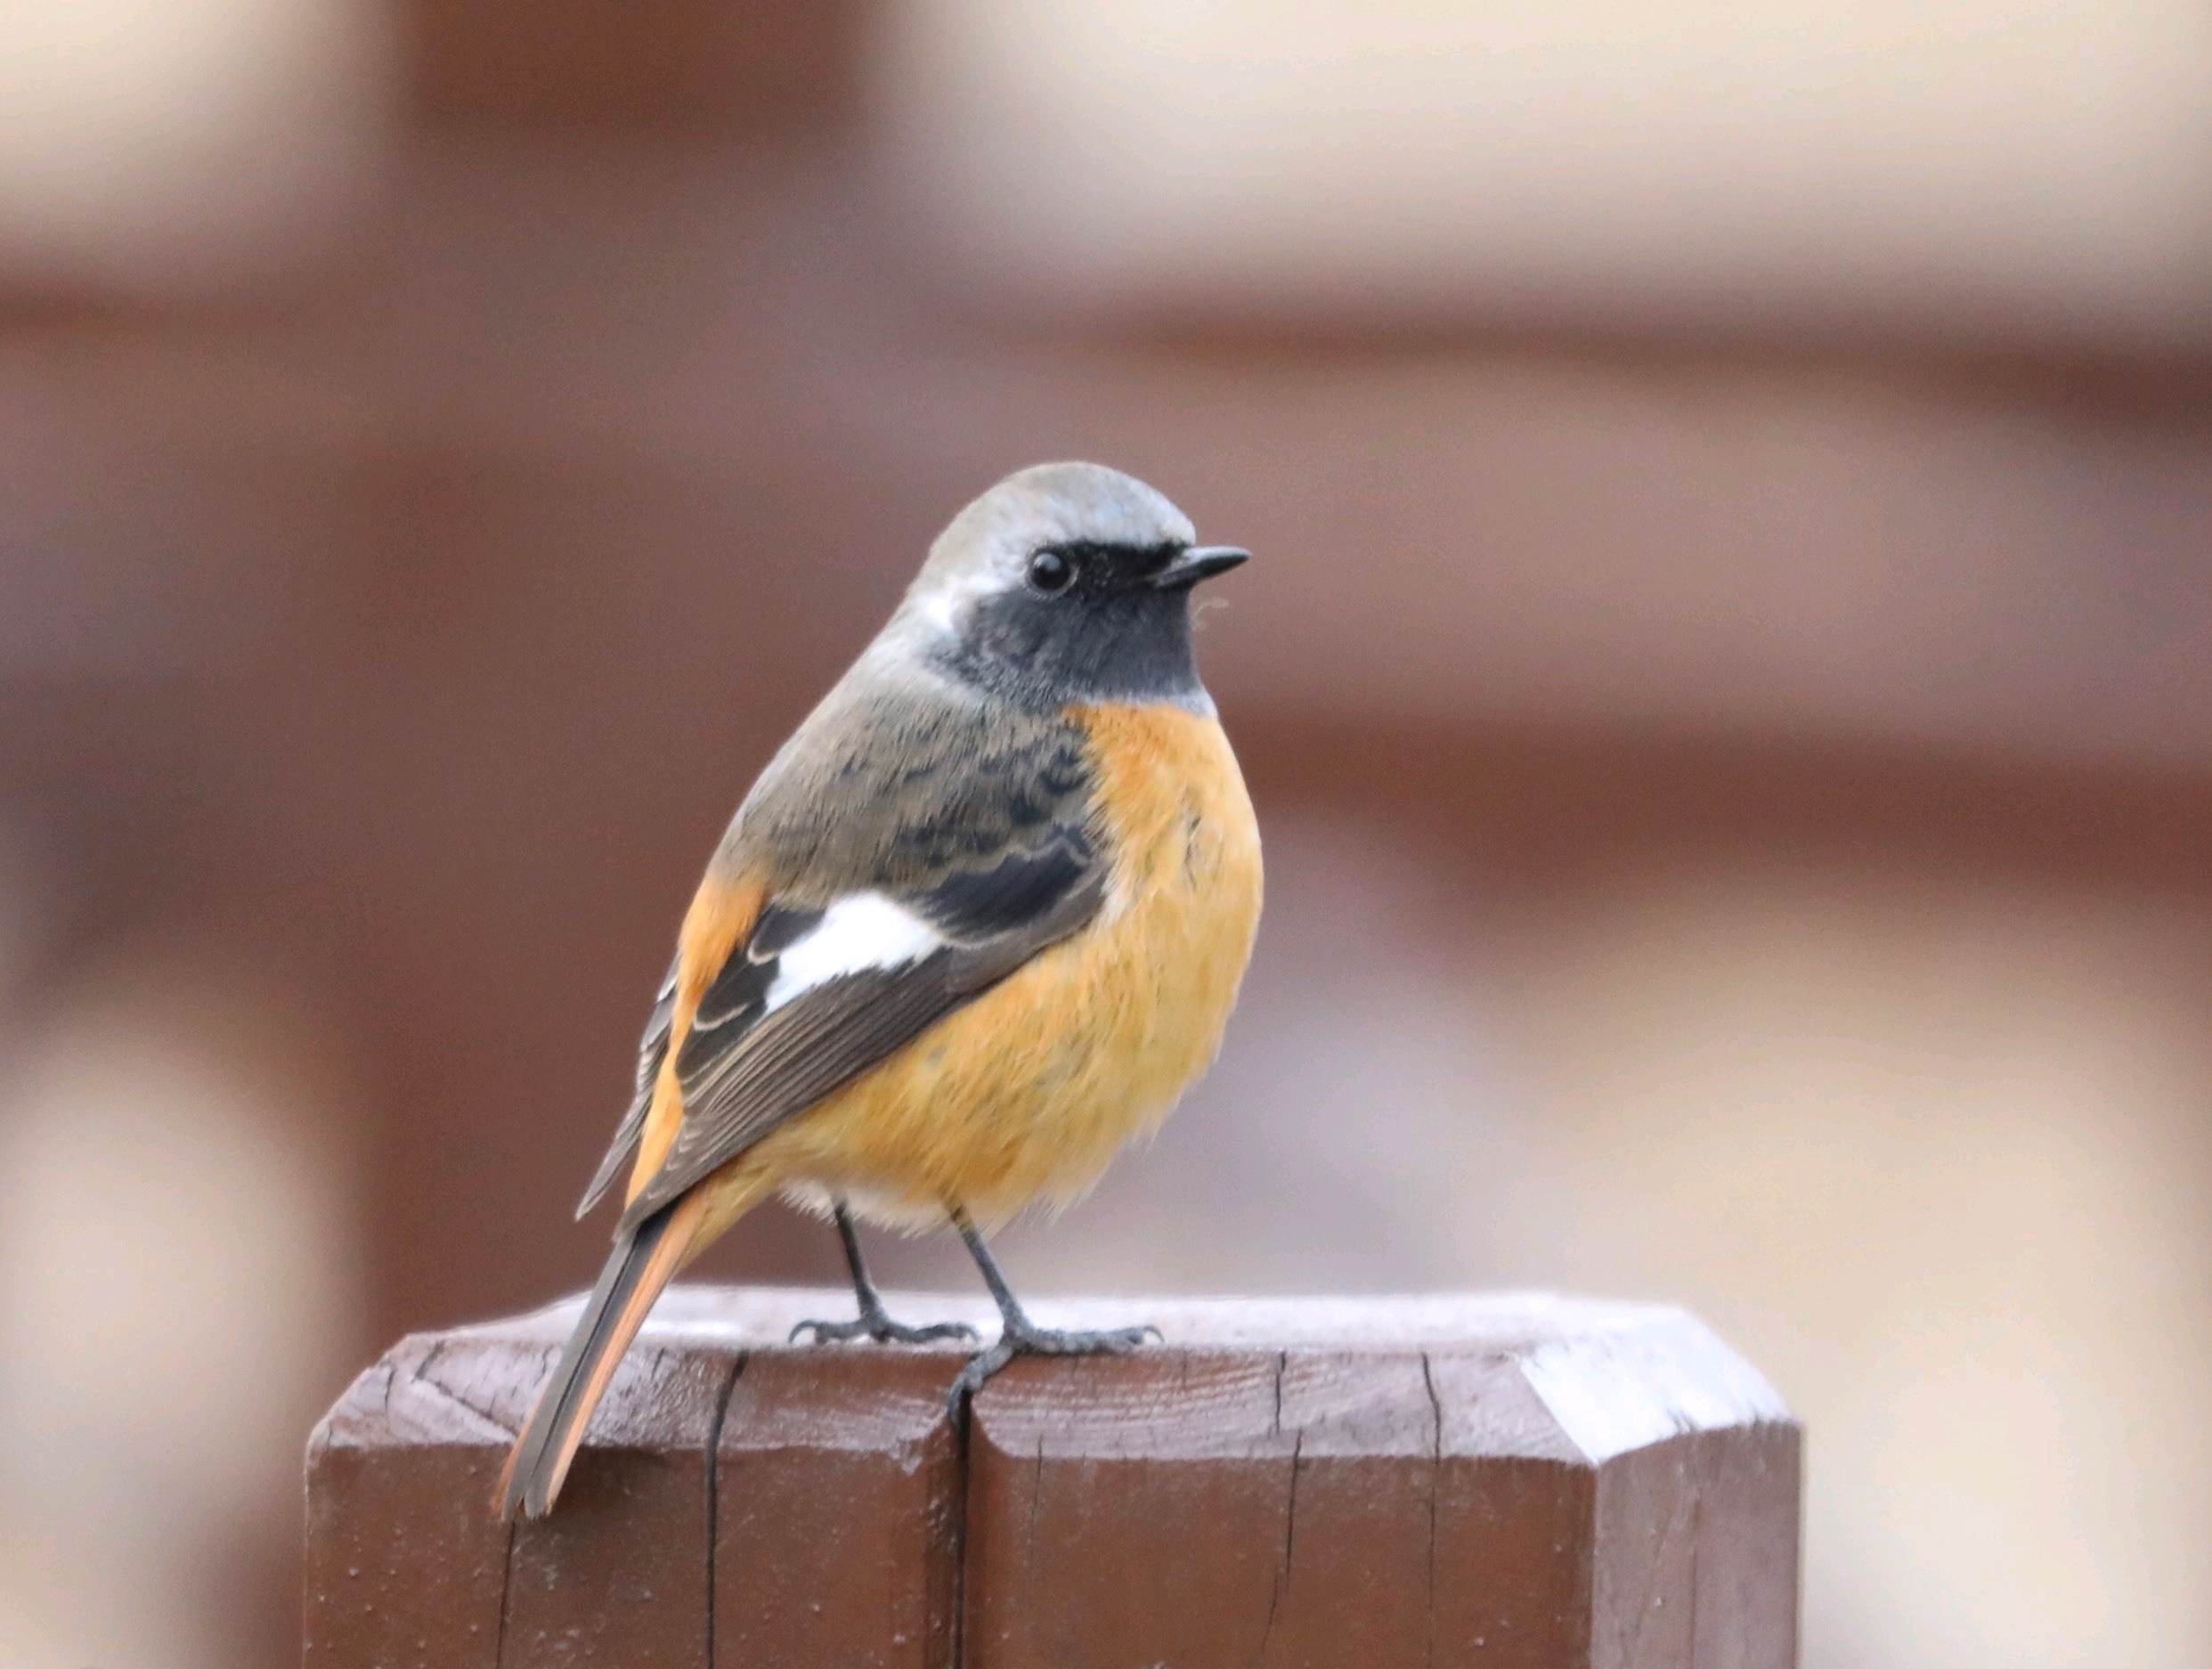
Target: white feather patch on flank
(859,932)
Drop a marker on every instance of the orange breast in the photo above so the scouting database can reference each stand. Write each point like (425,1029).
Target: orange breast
(1027,1092)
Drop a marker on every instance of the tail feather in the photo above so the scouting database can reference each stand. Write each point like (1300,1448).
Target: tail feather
(644,1260)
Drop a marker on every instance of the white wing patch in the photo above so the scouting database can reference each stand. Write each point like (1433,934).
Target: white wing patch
(859,932)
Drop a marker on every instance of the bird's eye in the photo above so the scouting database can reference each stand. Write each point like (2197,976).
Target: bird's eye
(1052,572)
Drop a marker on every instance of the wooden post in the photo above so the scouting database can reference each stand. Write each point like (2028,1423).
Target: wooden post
(1520,1483)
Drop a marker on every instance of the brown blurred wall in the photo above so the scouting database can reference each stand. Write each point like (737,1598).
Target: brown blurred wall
(496,689)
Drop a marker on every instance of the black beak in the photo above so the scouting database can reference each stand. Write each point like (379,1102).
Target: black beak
(1200,562)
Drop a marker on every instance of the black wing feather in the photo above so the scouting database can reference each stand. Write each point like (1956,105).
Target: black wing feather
(652,1050)
(975,905)
(780,927)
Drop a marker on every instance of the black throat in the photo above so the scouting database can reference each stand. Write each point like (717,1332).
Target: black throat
(1112,636)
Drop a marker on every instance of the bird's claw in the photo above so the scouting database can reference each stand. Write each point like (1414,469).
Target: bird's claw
(880,1329)
(1041,1341)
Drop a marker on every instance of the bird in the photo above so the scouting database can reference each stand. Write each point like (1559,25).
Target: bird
(979,922)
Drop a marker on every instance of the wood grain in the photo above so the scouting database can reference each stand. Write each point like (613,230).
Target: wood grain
(1510,1482)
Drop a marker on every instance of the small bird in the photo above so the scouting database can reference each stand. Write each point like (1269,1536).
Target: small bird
(979,922)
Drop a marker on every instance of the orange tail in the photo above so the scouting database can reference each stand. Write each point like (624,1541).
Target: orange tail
(643,1261)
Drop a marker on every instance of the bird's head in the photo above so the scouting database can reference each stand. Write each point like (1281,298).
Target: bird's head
(1066,582)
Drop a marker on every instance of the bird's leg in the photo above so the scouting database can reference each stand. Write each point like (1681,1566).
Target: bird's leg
(875,1322)
(1019,1335)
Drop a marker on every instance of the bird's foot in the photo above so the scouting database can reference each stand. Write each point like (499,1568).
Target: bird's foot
(874,1323)
(1021,1339)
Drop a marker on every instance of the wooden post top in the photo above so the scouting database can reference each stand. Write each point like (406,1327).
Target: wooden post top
(1523,1481)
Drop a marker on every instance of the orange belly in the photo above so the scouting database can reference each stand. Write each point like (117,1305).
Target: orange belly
(1028,1092)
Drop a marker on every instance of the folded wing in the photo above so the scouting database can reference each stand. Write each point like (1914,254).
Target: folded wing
(820,994)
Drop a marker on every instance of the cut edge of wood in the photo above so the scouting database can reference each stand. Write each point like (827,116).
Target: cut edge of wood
(1584,1390)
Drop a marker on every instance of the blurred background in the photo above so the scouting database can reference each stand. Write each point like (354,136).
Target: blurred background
(1726,683)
